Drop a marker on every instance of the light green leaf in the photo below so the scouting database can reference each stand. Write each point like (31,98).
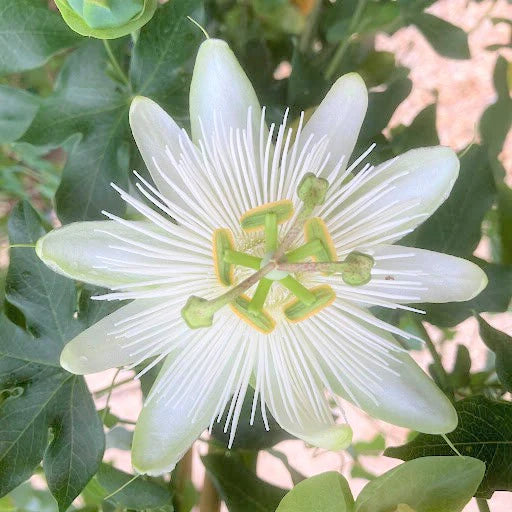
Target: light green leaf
(17,110)
(327,492)
(484,432)
(30,34)
(429,484)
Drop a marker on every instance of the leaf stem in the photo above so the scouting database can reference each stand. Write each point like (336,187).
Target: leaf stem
(111,388)
(483,505)
(342,48)
(115,64)
(183,474)
(209,500)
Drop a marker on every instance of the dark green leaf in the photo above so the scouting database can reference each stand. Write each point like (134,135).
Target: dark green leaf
(460,375)
(88,105)
(484,432)
(420,133)
(163,56)
(240,488)
(142,493)
(501,344)
(494,127)
(30,34)
(251,437)
(46,299)
(447,39)
(455,228)
(17,109)
(494,298)
(41,397)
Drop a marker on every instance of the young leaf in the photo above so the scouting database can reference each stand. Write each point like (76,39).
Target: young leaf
(501,344)
(429,484)
(30,34)
(484,432)
(327,492)
(39,397)
(239,487)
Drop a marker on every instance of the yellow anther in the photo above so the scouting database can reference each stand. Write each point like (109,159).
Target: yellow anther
(296,311)
(223,241)
(260,320)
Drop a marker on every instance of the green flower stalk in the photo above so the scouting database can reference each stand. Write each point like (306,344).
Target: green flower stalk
(258,257)
(106,19)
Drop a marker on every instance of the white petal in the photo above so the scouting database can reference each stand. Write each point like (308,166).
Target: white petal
(386,383)
(339,117)
(432,276)
(397,196)
(220,88)
(107,253)
(99,347)
(295,396)
(155,133)
(193,386)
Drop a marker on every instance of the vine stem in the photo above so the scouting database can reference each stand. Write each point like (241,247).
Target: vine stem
(183,474)
(483,505)
(108,389)
(309,29)
(209,500)
(340,52)
(115,64)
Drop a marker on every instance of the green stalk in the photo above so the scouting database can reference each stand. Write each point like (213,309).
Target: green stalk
(115,64)
(483,505)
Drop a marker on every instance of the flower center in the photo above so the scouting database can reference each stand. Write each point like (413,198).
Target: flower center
(279,265)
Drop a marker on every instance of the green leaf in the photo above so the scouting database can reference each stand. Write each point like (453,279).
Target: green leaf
(420,133)
(494,298)
(239,487)
(494,127)
(455,228)
(163,56)
(87,105)
(17,110)
(446,39)
(429,484)
(30,34)
(251,437)
(501,344)
(142,493)
(484,432)
(327,492)
(372,447)
(39,397)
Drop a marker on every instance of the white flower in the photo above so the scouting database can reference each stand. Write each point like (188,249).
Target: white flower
(231,191)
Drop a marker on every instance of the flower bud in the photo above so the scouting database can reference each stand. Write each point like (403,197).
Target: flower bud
(106,19)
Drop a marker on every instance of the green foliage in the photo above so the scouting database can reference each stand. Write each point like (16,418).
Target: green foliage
(30,34)
(239,487)
(327,492)
(429,484)
(64,137)
(484,432)
(501,344)
(39,398)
